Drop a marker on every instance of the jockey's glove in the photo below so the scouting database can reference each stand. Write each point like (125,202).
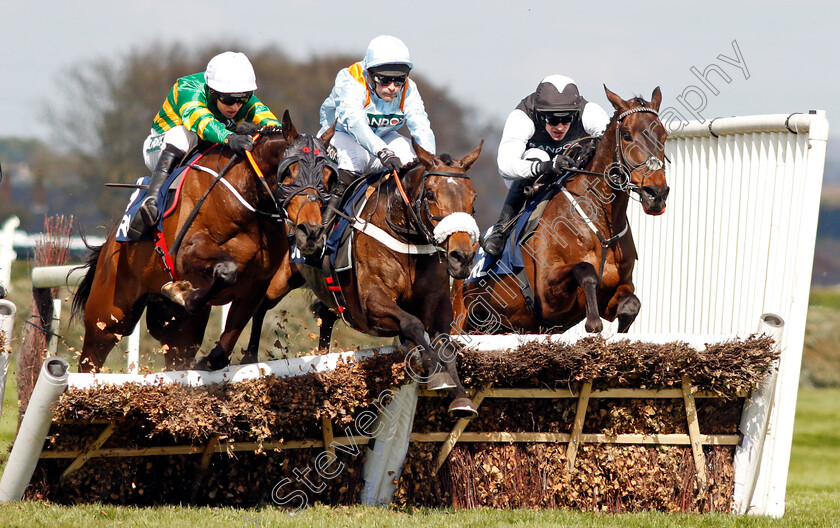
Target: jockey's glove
(389,160)
(559,165)
(247,127)
(239,143)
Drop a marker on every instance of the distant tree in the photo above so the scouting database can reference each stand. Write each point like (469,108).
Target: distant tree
(110,104)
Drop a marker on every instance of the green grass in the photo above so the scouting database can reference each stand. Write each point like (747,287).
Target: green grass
(825,297)
(813,496)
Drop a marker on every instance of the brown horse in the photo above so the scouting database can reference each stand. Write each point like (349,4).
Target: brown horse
(579,261)
(407,241)
(231,251)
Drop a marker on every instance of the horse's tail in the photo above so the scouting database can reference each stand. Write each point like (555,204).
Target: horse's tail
(83,291)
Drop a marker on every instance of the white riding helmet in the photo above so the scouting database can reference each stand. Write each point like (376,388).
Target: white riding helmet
(386,49)
(230,72)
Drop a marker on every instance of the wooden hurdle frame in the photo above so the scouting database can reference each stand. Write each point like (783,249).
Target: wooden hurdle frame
(688,393)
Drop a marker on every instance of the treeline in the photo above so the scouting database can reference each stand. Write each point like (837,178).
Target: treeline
(105,107)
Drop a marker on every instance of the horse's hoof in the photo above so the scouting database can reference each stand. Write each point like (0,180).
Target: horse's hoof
(594,327)
(247,359)
(177,291)
(209,363)
(440,381)
(462,408)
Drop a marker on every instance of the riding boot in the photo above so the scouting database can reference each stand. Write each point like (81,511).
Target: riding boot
(495,243)
(345,178)
(147,214)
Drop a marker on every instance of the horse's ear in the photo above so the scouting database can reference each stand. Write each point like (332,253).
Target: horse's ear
(470,158)
(656,98)
(289,130)
(328,134)
(427,159)
(617,102)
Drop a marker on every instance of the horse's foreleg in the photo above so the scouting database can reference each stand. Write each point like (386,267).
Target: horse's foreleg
(284,280)
(446,351)
(252,353)
(326,322)
(241,311)
(624,305)
(180,332)
(203,257)
(459,309)
(587,278)
(383,313)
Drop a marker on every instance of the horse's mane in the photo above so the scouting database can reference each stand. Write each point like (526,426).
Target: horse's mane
(271,130)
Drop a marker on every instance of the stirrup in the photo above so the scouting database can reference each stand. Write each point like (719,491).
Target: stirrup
(143,221)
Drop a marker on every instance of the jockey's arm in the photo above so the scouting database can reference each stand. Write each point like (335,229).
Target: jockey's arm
(350,113)
(518,130)
(198,118)
(259,114)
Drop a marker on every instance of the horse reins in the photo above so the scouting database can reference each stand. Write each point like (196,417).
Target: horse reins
(217,178)
(420,202)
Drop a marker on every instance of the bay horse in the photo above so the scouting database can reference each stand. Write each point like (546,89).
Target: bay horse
(579,261)
(407,241)
(232,248)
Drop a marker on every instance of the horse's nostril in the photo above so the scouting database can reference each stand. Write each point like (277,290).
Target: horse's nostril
(656,193)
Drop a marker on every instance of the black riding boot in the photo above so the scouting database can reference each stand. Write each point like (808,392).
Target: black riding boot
(495,243)
(148,212)
(345,178)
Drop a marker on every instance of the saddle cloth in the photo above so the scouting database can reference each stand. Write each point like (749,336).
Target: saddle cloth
(168,195)
(510,261)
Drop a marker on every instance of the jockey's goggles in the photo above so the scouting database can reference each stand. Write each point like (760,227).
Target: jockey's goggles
(558,119)
(234,98)
(385,80)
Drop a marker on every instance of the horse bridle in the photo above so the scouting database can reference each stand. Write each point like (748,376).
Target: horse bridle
(652,163)
(312,160)
(421,204)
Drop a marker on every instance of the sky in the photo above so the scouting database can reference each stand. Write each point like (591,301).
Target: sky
(767,57)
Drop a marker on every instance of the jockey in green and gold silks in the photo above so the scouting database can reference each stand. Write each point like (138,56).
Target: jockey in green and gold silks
(207,106)
(187,105)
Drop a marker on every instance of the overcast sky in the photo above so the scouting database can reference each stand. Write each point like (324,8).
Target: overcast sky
(488,54)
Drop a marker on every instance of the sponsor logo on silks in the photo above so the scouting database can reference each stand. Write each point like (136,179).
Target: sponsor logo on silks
(550,149)
(156,143)
(332,153)
(375,120)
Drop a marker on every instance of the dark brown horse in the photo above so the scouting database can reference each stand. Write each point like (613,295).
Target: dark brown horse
(579,261)
(411,236)
(231,251)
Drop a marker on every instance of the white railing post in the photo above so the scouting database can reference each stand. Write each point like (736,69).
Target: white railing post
(7,252)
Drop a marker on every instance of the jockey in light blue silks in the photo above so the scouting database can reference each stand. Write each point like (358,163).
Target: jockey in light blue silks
(370,101)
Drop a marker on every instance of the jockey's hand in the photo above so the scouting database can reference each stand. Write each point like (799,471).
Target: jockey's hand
(389,160)
(247,127)
(239,143)
(559,165)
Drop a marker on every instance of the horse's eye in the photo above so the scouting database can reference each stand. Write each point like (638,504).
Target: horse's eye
(430,195)
(626,136)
